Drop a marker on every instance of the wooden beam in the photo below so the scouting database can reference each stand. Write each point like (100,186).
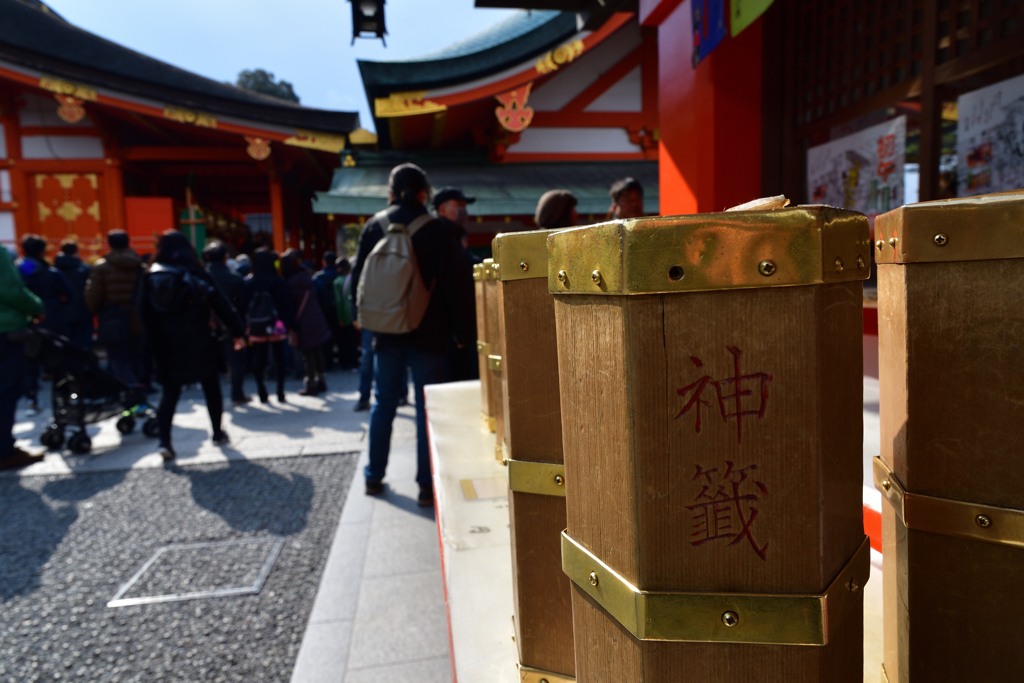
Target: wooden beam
(277,211)
(931,109)
(979,60)
(213,170)
(186,154)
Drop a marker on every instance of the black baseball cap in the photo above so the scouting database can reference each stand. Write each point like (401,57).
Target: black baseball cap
(447,193)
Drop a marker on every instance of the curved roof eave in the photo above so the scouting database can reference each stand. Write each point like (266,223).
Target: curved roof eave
(43,41)
(500,47)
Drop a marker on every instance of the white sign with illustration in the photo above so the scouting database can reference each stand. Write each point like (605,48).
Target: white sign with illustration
(863,171)
(990,139)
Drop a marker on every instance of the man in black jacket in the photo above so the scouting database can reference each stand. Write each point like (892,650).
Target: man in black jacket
(77,314)
(232,287)
(422,350)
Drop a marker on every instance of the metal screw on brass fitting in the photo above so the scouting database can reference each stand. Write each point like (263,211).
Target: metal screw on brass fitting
(766,267)
(543,680)
(596,277)
(879,245)
(886,485)
(730,619)
(839,264)
(524,266)
(559,480)
(940,240)
(593,578)
(861,263)
(983,521)
(892,242)
(563,276)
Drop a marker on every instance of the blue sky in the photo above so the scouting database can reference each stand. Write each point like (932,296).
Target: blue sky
(305,42)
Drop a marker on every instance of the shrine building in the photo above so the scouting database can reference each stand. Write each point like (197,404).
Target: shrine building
(96,137)
(534,103)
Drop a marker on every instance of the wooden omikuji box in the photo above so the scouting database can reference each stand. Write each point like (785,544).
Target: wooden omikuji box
(485,284)
(710,372)
(533,452)
(951,372)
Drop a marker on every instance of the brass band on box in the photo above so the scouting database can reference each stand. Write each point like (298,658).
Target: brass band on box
(975,521)
(799,246)
(544,478)
(530,675)
(719,617)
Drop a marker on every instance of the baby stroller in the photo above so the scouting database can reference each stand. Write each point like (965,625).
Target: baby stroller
(83,393)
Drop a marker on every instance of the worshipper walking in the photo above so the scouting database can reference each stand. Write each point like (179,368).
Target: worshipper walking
(268,317)
(53,289)
(112,294)
(627,197)
(348,336)
(323,280)
(233,287)
(77,315)
(310,332)
(18,306)
(556,209)
(422,349)
(178,299)
(450,205)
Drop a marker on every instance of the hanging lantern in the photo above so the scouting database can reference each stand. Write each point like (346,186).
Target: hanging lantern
(368,18)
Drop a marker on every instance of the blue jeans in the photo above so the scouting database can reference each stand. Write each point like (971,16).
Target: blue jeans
(391,377)
(125,359)
(12,375)
(366,366)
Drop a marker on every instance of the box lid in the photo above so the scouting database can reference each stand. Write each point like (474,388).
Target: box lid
(978,228)
(738,249)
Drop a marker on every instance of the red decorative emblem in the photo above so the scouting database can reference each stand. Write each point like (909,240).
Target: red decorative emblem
(258,149)
(70,109)
(724,508)
(513,114)
(737,383)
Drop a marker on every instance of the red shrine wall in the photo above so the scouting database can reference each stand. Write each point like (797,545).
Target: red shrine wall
(709,117)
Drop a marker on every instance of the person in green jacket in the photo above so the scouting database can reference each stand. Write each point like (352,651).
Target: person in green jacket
(348,336)
(18,307)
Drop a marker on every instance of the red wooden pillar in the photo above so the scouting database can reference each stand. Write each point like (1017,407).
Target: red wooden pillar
(710,117)
(277,211)
(20,204)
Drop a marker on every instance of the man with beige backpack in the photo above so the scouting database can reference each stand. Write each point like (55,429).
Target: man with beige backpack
(407,272)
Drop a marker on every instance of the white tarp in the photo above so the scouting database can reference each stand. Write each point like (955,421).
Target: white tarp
(863,171)
(990,139)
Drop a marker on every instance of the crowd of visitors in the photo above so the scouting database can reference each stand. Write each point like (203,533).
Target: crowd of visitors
(404,306)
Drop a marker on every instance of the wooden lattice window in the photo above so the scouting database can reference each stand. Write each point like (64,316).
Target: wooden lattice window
(850,50)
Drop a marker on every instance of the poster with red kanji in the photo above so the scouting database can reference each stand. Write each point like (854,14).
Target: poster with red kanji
(862,172)
(990,139)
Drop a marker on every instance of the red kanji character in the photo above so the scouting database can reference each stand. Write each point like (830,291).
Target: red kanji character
(712,519)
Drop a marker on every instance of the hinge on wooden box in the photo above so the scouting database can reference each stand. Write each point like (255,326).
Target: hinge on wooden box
(988,523)
(494,363)
(527,674)
(483,348)
(545,478)
(769,619)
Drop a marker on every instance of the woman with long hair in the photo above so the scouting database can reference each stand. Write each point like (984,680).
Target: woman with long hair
(268,316)
(311,331)
(177,305)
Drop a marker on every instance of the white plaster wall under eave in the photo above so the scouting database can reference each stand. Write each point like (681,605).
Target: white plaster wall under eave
(60,147)
(626,95)
(3,142)
(574,141)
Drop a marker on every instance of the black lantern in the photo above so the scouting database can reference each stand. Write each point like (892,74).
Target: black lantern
(368,18)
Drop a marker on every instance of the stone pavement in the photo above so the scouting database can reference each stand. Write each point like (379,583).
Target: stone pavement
(355,601)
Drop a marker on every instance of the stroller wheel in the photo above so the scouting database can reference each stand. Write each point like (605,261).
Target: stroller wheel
(126,425)
(151,428)
(52,438)
(80,443)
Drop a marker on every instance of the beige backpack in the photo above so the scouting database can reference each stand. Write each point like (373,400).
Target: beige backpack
(392,298)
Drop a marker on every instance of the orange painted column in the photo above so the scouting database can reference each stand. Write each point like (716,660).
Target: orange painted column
(277,212)
(709,117)
(20,195)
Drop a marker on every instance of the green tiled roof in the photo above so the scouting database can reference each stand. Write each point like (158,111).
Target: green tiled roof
(500,189)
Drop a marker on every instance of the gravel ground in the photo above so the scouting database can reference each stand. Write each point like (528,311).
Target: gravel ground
(67,544)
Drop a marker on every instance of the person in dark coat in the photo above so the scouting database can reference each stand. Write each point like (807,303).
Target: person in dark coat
(233,287)
(311,330)
(48,284)
(556,209)
(265,280)
(423,350)
(450,206)
(178,299)
(115,282)
(627,197)
(323,280)
(78,316)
